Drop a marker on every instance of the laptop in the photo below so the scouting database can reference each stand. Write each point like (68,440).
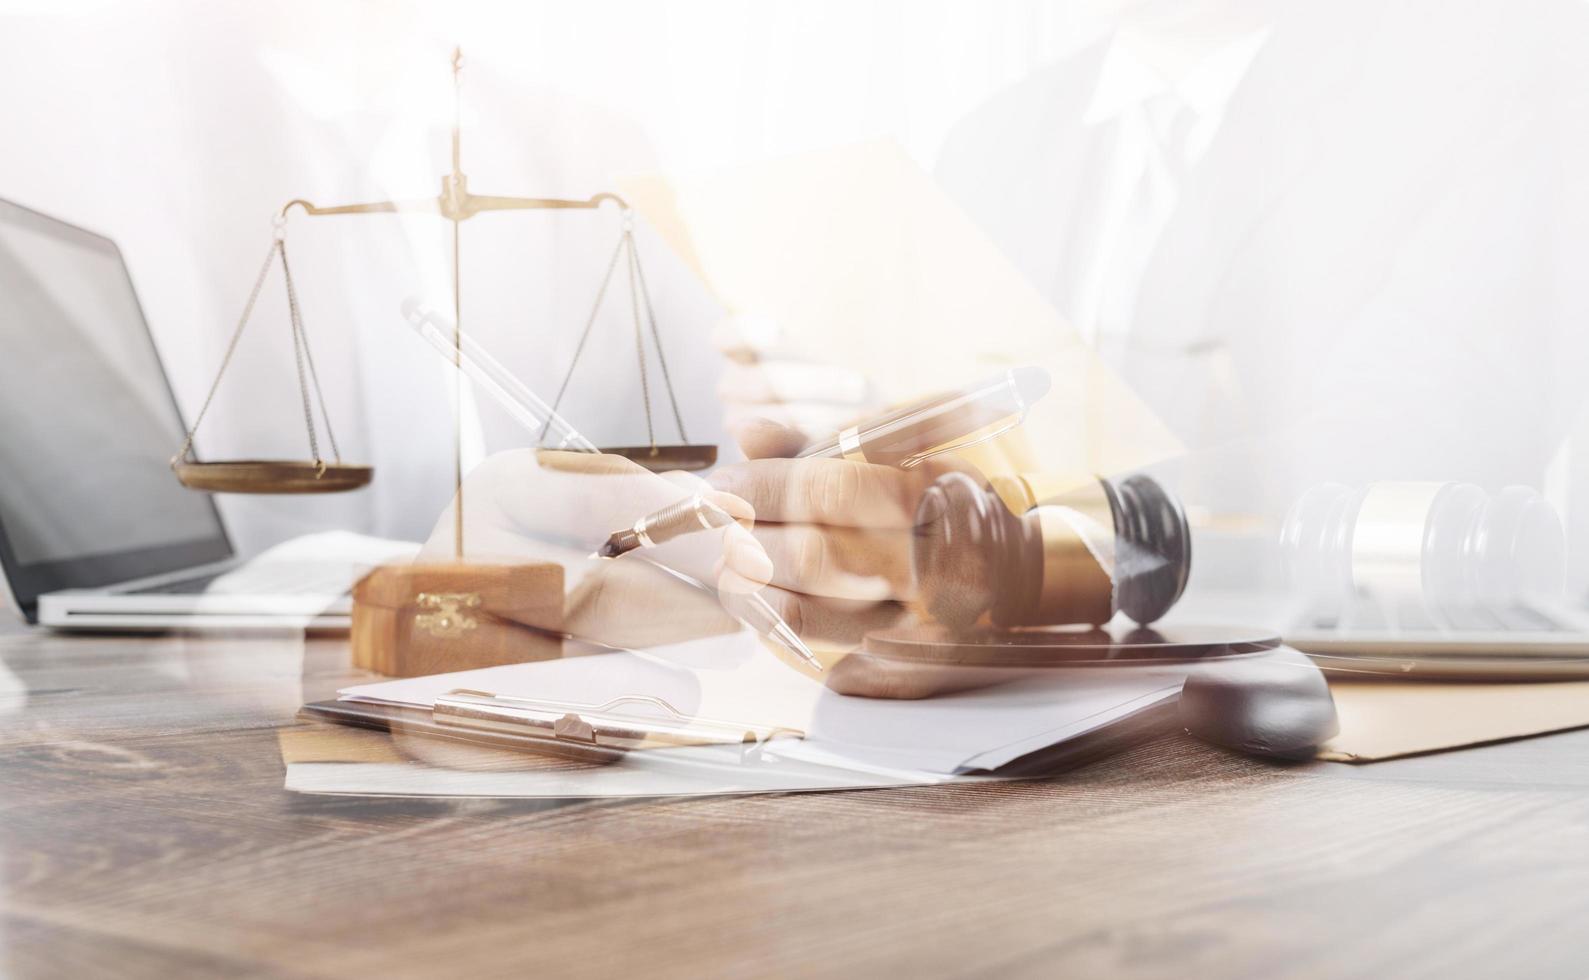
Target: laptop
(95,531)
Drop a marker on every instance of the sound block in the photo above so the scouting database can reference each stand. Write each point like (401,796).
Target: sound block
(1067,646)
(1243,691)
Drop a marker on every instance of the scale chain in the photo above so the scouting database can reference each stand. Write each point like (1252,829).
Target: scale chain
(656,338)
(297,349)
(226,360)
(307,355)
(639,341)
(579,348)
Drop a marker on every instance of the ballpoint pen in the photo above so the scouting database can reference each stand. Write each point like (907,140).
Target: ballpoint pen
(903,437)
(939,424)
(754,612)
(696,513)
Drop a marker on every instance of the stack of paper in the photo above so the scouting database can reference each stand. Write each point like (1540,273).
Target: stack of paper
(1387,719)
(849,741)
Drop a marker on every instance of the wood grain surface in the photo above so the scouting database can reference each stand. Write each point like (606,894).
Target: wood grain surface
(144,831)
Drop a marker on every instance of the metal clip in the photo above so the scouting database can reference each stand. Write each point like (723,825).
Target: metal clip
(614,724)
(449,621)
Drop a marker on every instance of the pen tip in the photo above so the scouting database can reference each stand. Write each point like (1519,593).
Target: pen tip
(799,648)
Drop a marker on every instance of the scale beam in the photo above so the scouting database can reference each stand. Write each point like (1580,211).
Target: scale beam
(455,204)
(457,207)
(374,207)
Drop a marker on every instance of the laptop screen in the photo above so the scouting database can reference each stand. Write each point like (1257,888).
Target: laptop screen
(87,422)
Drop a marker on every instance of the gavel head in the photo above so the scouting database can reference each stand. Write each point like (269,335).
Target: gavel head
(1077,558)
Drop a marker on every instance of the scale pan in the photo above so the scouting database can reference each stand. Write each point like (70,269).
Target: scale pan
(271,476)
(659,459)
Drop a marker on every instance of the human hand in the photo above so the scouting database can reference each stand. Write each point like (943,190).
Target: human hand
(838,534)
(530,505)
(764,381)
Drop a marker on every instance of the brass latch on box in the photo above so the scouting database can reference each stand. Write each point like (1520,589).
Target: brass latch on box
(449,620)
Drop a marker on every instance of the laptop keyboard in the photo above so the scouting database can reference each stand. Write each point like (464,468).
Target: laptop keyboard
(274,578)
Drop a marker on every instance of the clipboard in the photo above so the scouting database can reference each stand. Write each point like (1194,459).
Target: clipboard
(586,732)
(611,738)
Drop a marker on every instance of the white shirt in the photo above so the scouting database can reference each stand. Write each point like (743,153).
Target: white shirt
(1162,126)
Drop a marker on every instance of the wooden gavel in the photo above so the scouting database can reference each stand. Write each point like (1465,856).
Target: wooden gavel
(1078,558)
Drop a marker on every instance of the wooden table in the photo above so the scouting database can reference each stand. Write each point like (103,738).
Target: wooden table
(144,831)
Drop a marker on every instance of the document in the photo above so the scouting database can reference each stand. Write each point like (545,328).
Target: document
(1386,719)
(938,737)
(338,760)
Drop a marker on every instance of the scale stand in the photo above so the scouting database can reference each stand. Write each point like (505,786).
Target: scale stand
(456,204)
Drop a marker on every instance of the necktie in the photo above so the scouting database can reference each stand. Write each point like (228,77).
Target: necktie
(1156,136)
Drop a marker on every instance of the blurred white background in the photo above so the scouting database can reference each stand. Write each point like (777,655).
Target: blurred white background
(179,128)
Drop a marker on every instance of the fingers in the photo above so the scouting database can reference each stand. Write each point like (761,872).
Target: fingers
(838,535)
(782,382)
(834,562)
(736,507)
(558,507)
(764,438)
(747,337)
(573,500)
(825,491)
(703,554)
(634,604)
(863,675)
(812,421)
(833,622)
(687,483)
(745,565)
(764,379)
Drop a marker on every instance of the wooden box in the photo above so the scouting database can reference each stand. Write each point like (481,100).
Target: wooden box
(411,620)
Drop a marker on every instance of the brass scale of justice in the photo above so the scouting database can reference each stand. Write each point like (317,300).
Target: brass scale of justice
(455,203)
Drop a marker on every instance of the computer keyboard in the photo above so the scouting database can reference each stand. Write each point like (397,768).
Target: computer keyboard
(1522,618)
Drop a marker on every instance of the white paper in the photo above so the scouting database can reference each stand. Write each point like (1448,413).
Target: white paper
(338,546)
(980,729)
